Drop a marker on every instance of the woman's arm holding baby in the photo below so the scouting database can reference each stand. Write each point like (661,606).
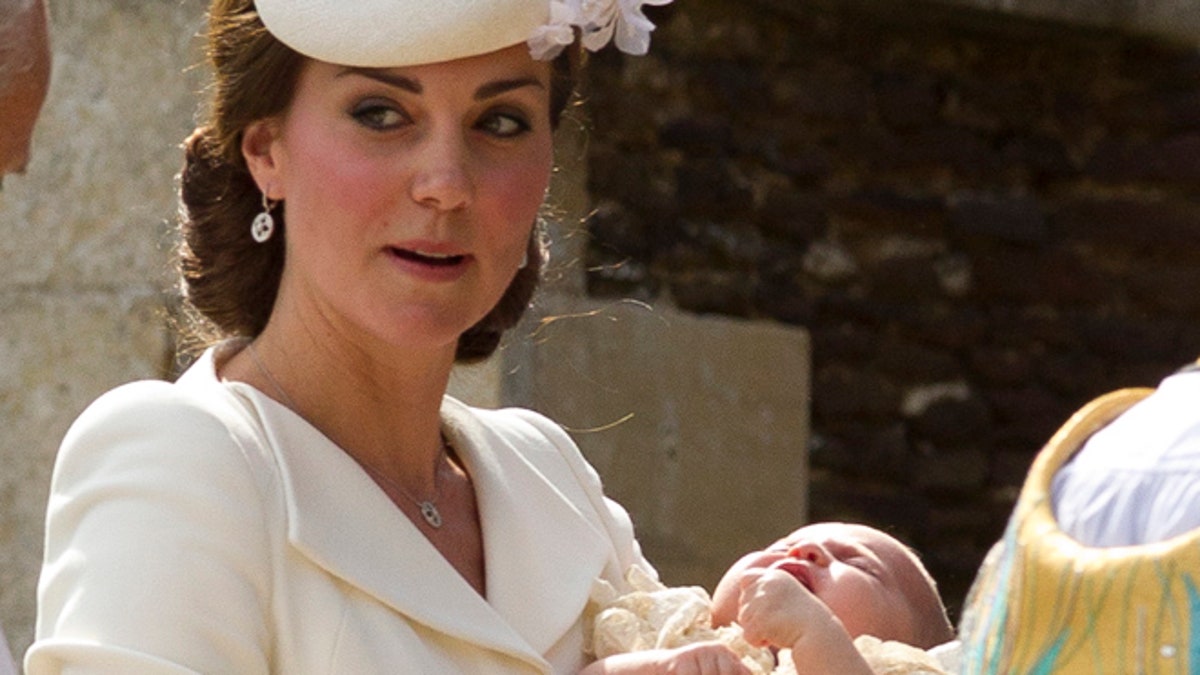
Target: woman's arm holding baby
(777,610)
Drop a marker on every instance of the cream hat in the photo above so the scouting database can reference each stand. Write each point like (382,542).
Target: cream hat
(388,33)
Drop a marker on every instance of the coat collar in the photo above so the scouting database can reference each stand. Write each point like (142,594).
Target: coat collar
(542,551)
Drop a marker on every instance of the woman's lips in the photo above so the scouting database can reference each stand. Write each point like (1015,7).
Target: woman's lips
(425,258)
(428,265)
(797,569)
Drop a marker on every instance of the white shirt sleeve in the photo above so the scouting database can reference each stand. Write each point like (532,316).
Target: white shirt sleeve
(7,667)
(1137,480)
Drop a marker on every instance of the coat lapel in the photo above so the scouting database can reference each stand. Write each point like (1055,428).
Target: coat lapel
(542,546)
(541,552)
(340,519)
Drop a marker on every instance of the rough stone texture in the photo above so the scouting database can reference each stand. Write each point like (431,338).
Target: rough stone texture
(697,425)
(1177,18)
(85,240)
(984,220)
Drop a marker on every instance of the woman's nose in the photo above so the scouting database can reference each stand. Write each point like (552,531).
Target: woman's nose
(812,552)
(442,178)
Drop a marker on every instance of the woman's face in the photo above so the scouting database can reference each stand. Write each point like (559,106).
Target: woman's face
(409,193)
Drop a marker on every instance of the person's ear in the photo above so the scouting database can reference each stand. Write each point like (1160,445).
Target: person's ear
(259,145)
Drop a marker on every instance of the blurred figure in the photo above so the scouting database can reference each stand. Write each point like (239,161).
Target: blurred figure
(1098,568)
(1136,481)
(24,78)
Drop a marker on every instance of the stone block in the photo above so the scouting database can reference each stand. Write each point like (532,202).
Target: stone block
(1129,224)
(698,426)
(851,391)
(1179,19)
(1015,219)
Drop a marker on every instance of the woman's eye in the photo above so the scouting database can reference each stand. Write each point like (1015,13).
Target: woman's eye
(378,116)
(504,125)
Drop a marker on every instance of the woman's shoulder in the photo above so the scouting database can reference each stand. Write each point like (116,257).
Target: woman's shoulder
(158,407)
(530,436)
(175,426)
(524,428)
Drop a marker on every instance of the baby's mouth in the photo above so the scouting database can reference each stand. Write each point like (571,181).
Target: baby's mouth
(431,259)
(797,569)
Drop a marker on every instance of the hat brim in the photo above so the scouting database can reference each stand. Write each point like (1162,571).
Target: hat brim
(391,33)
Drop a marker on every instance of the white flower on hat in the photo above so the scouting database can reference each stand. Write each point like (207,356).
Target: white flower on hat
(599,22)
(549,39)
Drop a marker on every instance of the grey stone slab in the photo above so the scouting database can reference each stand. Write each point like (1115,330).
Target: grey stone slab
(698,426)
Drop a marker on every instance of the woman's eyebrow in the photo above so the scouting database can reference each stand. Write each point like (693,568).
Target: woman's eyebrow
(391,79)
(501,86)
(413,86)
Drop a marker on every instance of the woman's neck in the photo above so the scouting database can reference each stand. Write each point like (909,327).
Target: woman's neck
(380,403)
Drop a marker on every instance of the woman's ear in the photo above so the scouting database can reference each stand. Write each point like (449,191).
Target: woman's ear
(258,149)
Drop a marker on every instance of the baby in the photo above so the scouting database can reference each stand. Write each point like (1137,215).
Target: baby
(837,597)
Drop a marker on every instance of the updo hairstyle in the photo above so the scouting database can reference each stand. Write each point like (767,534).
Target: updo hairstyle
(228,281)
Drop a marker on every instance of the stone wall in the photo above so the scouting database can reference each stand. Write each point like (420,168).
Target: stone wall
(84,243)
(698,426)
(1178,18)
(983,221)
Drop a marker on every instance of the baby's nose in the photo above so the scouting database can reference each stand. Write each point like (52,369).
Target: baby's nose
(810,551)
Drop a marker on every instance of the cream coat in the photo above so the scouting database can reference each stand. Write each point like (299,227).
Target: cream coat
(202,527)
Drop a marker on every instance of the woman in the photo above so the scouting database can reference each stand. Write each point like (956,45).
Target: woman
(358,216)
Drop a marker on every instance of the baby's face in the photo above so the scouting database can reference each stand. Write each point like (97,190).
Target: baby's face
(861,574)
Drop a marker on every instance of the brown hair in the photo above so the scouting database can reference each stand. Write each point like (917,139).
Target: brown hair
(228,281)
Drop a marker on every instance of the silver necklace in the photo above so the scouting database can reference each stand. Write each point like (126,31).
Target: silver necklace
(428,507)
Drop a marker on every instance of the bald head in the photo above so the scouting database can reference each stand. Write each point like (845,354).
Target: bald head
(873,583)
(925,624)
(24,78)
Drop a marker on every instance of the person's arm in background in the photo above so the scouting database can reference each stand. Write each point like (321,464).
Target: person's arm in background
(1137,480)
(7,667)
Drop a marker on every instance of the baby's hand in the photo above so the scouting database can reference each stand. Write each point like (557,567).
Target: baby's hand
(701,658)
(776,609)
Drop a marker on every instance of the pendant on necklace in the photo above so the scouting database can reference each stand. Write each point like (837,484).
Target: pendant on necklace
(430,513)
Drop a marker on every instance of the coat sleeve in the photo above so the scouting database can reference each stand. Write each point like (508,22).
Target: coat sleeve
(156,544)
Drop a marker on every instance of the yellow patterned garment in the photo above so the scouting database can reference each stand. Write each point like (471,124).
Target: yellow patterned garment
(1044,603)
